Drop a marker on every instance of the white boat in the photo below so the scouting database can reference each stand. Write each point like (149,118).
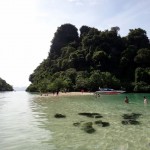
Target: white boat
(109,91)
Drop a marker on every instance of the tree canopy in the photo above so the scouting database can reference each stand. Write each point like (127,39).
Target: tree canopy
(4,86)
(89,58)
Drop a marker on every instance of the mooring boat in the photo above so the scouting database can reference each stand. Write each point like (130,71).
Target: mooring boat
(109,91)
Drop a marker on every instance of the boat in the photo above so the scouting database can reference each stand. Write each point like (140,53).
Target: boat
(108,91)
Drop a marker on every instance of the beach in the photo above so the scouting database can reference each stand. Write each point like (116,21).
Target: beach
(66,94)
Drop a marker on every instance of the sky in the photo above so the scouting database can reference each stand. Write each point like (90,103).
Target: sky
(28,26)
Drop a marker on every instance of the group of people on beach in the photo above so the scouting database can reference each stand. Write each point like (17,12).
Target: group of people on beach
(126,100)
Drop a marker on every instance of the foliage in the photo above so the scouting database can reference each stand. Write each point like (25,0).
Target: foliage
(143,57)
(4,86)
(32,88)
(138,38)
(142,87)
(94,59)
(142,80)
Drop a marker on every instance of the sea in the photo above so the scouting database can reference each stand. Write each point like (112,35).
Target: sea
(28,122)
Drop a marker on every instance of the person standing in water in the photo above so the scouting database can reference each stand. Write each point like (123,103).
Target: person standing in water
(126,100)
(145,100)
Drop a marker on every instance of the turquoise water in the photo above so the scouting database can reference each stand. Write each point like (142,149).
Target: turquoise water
(27,122)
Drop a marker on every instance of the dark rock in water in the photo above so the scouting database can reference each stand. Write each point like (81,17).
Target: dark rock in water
(87,114)
(59,116)
(89,130)
(131,116)
(91,115)
(95,114)
(125,122)
(87,127)
(105,124)
(87,124)
(130,122)
(102,124)
(131,119)
(82,121)
(98,116)
(76,124)
(98,122)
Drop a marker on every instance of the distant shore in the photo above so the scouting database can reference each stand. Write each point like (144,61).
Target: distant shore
(66,94)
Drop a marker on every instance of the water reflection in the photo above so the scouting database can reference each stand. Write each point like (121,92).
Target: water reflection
(20,129)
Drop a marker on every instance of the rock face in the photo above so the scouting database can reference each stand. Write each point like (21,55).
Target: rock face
(131,119)
(59,116)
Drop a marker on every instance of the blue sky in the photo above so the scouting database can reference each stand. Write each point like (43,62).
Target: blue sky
(28,26)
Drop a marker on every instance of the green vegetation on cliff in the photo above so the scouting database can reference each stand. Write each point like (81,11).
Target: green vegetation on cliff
(5,86)
(94,59)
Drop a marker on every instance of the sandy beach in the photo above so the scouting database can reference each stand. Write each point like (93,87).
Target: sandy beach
(67,94)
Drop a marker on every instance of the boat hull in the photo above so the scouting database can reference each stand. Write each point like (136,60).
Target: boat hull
(109,92)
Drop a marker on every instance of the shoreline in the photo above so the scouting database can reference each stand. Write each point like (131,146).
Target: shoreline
(66,94)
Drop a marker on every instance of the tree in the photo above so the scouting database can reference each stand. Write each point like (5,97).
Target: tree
(4,86)
(115,29)
(143,58)
(127,64)
(84,30)
(138,38)
(142,80)
(32,88)
(64,35)
(100,59)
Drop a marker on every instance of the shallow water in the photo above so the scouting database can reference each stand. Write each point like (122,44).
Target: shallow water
(27,122)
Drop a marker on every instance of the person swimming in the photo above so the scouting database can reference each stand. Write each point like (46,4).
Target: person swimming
(145,100)
(126,100)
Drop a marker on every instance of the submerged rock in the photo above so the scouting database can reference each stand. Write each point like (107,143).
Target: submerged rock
(98,116)
(105,124)
(130,122)
(59,116)
(76,124)
(102,124)
(131,116)
(87,127)
(98,122)
(131,119)
(91,115)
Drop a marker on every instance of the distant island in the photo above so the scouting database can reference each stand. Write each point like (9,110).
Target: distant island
(20,88)
(4,86)
(88,59)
